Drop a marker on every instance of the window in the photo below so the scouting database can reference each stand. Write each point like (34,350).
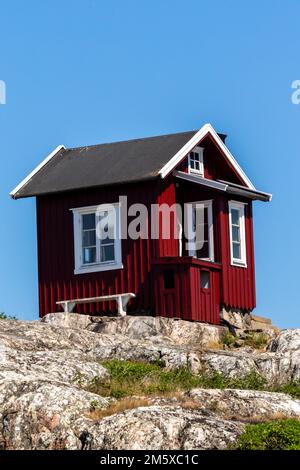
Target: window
(196,161)
(97,243)
(204,279)
(237,233)
(169,281)
(202,220)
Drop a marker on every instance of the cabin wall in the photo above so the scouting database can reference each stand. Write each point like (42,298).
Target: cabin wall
(237,283)
(57,280)
(234,287)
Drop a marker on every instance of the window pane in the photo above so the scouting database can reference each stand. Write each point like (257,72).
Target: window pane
(236,250)
(204,252)
(235,234)
(108,229)
(202,216)
(89,238)
(107,253)
(89,255)
(235,216)
(204,279)
(88,221)
(107,241)
(202,220)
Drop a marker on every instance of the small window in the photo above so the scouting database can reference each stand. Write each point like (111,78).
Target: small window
(196,161)
(205,279)
(96,238)
(169,281)
(237,233)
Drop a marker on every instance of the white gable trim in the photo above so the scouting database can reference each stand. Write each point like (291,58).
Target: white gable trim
(38,168)
(196,139)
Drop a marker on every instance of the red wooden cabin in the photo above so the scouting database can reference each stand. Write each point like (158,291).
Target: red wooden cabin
(167,278)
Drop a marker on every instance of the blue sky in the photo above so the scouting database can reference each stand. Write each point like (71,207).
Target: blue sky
(84,72)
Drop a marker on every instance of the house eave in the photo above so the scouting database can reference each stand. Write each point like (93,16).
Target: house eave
(225,186)
(14,193)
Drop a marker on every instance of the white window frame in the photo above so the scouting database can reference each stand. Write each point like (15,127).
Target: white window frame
(239,206)
(80,267)
(200,172)
(209,205)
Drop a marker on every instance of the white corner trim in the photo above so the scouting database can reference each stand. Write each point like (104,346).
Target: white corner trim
(195,140)
(36,170)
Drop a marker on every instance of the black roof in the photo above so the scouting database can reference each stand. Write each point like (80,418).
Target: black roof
(105,164)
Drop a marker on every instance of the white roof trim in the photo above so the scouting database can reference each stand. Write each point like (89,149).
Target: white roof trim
(196,139)
(14,192)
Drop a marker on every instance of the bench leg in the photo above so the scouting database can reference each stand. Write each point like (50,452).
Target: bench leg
(122,303)
(68,306)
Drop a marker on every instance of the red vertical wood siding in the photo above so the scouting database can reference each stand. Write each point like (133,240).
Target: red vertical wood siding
(57,280)
(237,283)
(187,299)
(167,195)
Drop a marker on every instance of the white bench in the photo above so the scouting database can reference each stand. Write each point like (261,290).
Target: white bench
(122,301)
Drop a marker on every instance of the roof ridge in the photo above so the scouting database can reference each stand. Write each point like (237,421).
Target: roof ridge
(129,140)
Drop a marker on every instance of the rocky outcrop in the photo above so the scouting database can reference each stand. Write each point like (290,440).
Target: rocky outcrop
(36,414)
(246,405)
(162,428)
(45,368)
(286,341)
(176,331)
(241,322)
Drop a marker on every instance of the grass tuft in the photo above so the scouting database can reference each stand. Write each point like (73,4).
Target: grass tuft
(255,340)
(130,378)
(117,407)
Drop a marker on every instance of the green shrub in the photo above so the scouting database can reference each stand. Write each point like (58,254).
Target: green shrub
(291,388)
(3,316)
(130,378)
(277,435)
(256,340)
(251,381)
(228,339)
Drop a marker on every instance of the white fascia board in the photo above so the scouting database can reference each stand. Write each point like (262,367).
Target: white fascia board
(200,180)
(196,139)
(36,170)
